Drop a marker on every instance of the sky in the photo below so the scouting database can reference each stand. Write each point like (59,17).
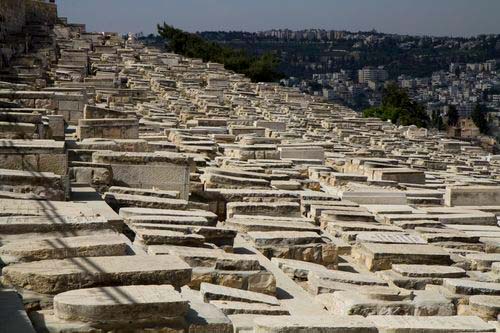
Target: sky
(415,17)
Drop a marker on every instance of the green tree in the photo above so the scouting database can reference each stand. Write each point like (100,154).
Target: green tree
(479,118)
(453,116)
(259,69)
(399,108)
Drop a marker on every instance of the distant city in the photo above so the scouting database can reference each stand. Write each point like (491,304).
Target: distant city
(353,67)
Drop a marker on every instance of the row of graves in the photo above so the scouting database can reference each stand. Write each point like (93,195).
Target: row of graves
(142,191)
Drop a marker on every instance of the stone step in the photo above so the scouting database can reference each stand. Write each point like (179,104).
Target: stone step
(55,276)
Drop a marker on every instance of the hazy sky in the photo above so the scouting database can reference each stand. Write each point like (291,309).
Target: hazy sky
(428,17)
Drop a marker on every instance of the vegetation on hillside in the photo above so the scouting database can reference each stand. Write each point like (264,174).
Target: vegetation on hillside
(258,68)
(399,108)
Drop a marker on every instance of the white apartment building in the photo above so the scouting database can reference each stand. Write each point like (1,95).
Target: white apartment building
(372,74)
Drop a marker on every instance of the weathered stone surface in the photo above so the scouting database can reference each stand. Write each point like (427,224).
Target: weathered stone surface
(55,276)
(68,247)
(232,307)
(212,292)
(388,324)
(472,196)
(382,256)
(120,303)
(428,271)
(485,306)
(204,317)
(471,287)
(313,324)
(50,223)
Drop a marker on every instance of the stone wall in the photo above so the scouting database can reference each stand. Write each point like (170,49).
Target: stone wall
(15,14)
(12,16)
(39,12)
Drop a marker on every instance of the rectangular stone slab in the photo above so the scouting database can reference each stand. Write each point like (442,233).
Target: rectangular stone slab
(471,287)
(233,307)
(377,256)
(203,257)
(68,247)
(389,238)
(160,237)
(428,271)
(246,225)
(313,324)
(433,324)
(55,276)
(142,201)
(214,292)
(165,219)
(25,224)
(120,303)
(283,238)
(472,196)
(134,211)
(288,209)
(369,279)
